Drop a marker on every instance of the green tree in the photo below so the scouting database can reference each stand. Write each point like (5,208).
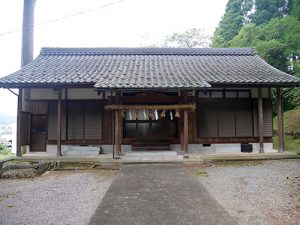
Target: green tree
(265,10)
(2,147)
(274,41)
(237,14)
(241,12)
(295,9)
(277,42)
(191,38)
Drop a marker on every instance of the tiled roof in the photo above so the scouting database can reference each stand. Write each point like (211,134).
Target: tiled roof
(145,68)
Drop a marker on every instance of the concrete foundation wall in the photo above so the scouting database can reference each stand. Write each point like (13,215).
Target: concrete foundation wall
(221,148)
(85,150)
(268,147)
(193,148)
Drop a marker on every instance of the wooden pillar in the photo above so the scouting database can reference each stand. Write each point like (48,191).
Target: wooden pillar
(58,126)
(186,131)
(280,121)
(181,132)
(183,124)
(20,97)
(118,127)
(117,133)
(260,121)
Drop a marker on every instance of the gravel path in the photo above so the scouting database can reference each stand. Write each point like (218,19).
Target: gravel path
(264,194)
(57,197)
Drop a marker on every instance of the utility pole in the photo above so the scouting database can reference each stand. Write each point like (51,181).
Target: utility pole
(26,57)
(27,32)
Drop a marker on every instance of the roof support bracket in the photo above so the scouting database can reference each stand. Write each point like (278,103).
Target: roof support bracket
(13,92)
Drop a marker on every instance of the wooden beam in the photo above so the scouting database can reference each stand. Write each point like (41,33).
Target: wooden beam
(217,140)
(260,121)
(151,99)
(58,126)
(151,107)
(186,131)
(20,97)
(280,121)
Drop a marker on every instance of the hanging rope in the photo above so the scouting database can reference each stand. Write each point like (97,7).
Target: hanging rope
(151,107)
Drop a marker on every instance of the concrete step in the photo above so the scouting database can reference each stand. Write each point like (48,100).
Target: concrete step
(81,152)
(153,155)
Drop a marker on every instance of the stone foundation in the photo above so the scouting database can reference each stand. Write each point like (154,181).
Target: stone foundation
(193,148)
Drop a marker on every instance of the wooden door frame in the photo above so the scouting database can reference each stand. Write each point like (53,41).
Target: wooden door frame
(46,130)
(150,123)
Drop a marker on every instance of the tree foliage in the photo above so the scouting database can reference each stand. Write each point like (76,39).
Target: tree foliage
(236,15)
(278,42)
(239,13)
(191,38)
(2,147)
(295,9)
(265,10)
(274,41)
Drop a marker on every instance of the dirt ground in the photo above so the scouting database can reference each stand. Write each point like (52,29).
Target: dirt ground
(57,197)
(255,193)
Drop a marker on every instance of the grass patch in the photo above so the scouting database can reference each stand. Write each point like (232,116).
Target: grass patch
(291,120)
(24,161)
(291,144)
(74,166)
(9,195)
(291,125)
(200,173)
(238,163)
(6,153)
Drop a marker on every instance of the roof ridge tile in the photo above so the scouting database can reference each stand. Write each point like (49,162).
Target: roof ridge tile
(147,51)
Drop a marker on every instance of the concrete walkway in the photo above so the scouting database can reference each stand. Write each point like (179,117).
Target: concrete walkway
(107,158)
(157,194)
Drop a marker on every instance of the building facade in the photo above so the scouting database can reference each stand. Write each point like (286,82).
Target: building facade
(190,100)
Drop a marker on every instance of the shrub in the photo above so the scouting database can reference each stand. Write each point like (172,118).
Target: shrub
(3,147)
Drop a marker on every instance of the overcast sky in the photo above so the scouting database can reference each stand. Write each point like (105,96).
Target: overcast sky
(98,23)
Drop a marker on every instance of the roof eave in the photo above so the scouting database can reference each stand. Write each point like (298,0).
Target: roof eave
(92,85)
(262,84)
(153,89)
(47,85)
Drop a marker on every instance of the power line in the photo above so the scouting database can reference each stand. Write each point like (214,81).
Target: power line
(79,13)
